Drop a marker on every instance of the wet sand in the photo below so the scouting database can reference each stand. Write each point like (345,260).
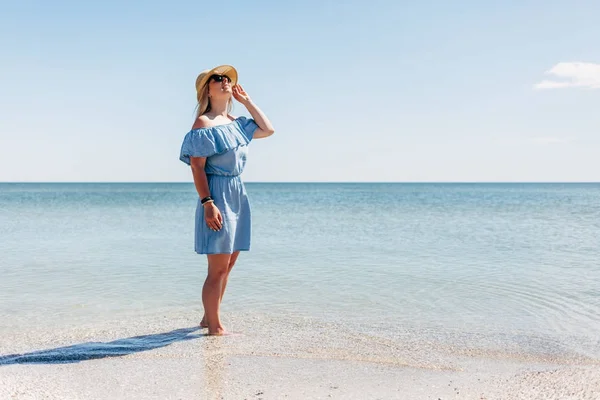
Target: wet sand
(168,357)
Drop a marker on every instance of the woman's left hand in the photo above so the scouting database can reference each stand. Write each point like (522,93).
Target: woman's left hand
(240,94)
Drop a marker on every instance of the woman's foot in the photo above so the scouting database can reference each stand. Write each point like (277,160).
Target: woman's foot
(203,323)
(219,331)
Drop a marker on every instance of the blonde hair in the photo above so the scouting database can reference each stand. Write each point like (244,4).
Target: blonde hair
(203,105)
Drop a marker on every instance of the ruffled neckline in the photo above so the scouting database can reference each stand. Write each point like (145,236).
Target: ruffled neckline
(236,120)
(211,140)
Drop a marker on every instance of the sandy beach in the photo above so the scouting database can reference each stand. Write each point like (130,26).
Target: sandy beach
(275,358)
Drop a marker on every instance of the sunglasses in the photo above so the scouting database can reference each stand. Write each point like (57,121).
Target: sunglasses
(219,78)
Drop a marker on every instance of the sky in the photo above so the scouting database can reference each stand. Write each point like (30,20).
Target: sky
(384,91)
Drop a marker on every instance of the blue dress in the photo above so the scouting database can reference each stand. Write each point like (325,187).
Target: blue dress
(225,148)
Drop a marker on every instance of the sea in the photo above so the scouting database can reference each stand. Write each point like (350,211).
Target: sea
(479,265)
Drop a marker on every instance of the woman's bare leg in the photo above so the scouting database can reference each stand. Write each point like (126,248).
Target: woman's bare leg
(218,267)
(232,260)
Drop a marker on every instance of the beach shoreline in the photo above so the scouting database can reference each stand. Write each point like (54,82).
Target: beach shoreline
(272,357)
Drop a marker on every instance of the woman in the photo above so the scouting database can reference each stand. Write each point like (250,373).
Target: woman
(216,149)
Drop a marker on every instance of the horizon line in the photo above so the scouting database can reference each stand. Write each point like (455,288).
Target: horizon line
(288,182)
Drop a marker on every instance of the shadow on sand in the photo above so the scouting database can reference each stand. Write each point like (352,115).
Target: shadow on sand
(95,350)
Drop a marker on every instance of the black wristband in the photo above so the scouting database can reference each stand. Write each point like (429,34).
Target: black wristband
(204,200)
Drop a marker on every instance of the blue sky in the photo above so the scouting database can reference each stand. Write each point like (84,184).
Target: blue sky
(364,91)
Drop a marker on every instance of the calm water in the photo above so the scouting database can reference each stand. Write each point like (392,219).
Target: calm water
(485,259)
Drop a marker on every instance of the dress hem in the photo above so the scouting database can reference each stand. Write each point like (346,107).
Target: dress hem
(218,252)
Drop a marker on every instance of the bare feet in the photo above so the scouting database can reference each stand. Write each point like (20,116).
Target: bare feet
(203,323)
(220,331)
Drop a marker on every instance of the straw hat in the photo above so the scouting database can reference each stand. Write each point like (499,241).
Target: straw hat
(220,70)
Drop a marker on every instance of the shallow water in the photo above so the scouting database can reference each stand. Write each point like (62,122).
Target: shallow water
(495,266)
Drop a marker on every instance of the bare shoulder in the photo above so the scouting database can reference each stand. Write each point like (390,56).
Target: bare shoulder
(202,122)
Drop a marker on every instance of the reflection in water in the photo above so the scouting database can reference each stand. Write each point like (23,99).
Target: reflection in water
(214,368)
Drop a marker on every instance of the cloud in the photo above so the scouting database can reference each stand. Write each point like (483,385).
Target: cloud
(573,74)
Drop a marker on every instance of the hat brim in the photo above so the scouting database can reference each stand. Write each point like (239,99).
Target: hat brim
(228,70)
